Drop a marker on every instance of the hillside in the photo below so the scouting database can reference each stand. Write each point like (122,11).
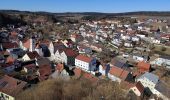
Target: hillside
(23,17)
(73,90)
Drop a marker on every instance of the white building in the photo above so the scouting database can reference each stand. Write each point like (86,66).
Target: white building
(30,56)
(138,89)
(161,61)
(83,62)
(28,45)
(148,80)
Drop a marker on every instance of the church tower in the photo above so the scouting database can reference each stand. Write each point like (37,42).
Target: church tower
(32,44)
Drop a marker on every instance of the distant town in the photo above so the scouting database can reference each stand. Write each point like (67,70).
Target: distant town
(132,52)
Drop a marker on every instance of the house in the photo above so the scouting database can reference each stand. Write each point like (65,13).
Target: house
(84,49)
(138,89)
(162,90)
(90,77)
(42,61)
(68,56)
(10,60)
(31,56)
(28,44)
(39,50)
(16,52)
(139,57)
(143,67)
(84,63)
(8,68)
(148,80)
(30,68)
(8,45)
(10,87)
(128,44)
(59,67)
(76,38)
(121,63)
(77,72)
(68,43)
(104,69)
(44,72)
(54,46)
(117,74)
(97,47)
(162,61)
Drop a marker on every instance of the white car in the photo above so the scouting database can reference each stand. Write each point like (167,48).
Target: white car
(125,55)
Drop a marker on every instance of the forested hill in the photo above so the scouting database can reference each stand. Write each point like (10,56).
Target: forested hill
(25,17)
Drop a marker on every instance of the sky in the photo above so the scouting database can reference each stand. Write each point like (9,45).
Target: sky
(106,6)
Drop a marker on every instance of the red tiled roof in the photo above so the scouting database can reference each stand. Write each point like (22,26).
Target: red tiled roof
(45,42)
(26,44)
(70,52)
(13,33)
(90,77)
(77,72)
(10,59)
(165,35)
(45,71)
(33,55)
(30,66)
(121,73)
(143,66)
(9,45)
(59,67)
(84,58)
(127,85)
(11,86)
(140,87)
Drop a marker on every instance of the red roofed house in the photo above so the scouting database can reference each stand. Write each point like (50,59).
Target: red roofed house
(77,72)
(44,72)
(68,56)
(9,45)
(10,87)
(83,62)
(90,77)
(138,89)
(30,56)
(10,60)
(117,74)
(76,37)
(29,44)
(59,67)
(143,67)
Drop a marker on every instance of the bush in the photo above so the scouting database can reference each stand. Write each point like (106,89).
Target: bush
(81,89)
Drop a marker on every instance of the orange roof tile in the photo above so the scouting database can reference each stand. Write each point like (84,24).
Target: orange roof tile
(90,77)
(143,66)
(84,58)
(45,71)
(70,52)
(60,67)
(26,44)
(121,73)
(9,45)
(33,55)
(10,59)
(11,86)
(77,72)
(140,87)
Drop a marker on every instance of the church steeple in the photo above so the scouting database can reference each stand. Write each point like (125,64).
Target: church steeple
(32,44)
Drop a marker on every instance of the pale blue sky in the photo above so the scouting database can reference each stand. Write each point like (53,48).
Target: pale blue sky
(111,6)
